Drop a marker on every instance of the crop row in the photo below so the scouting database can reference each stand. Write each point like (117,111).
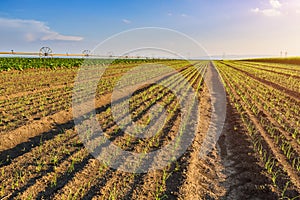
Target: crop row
(284,110)
(287,72)
(284,139)
(288,68)
(286,105)
(269,138)
(19,63)
(281,61)
(290,82)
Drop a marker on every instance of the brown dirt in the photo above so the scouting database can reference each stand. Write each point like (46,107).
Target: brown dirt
(203,176)
(232,170)
(245,175)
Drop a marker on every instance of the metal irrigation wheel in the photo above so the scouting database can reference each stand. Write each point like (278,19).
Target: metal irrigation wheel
(86,53)
(45,51)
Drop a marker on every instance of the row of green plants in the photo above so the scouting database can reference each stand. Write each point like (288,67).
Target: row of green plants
(250,115)
(17,63)
(275,68)
(273,127)
(284,110)
(290,60)
(26,108)
(279,79)
(21,63)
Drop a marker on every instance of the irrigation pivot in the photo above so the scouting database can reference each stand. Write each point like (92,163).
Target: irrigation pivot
(45,52)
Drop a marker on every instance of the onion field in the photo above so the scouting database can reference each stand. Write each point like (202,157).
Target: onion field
(257,155)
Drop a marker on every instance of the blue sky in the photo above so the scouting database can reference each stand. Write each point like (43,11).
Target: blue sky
(231,27)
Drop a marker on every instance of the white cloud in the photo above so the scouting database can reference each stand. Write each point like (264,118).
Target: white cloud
(267,12)
(183,15)
(126,21)
(56,36)
(270,12)
(275,4)
(170,14)
(32,30)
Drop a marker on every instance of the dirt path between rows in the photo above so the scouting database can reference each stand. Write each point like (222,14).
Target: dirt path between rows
(231,170)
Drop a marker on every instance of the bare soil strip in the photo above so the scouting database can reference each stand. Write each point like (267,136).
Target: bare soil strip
(202,175)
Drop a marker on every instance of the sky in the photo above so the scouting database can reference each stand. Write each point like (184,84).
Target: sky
(221,27)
